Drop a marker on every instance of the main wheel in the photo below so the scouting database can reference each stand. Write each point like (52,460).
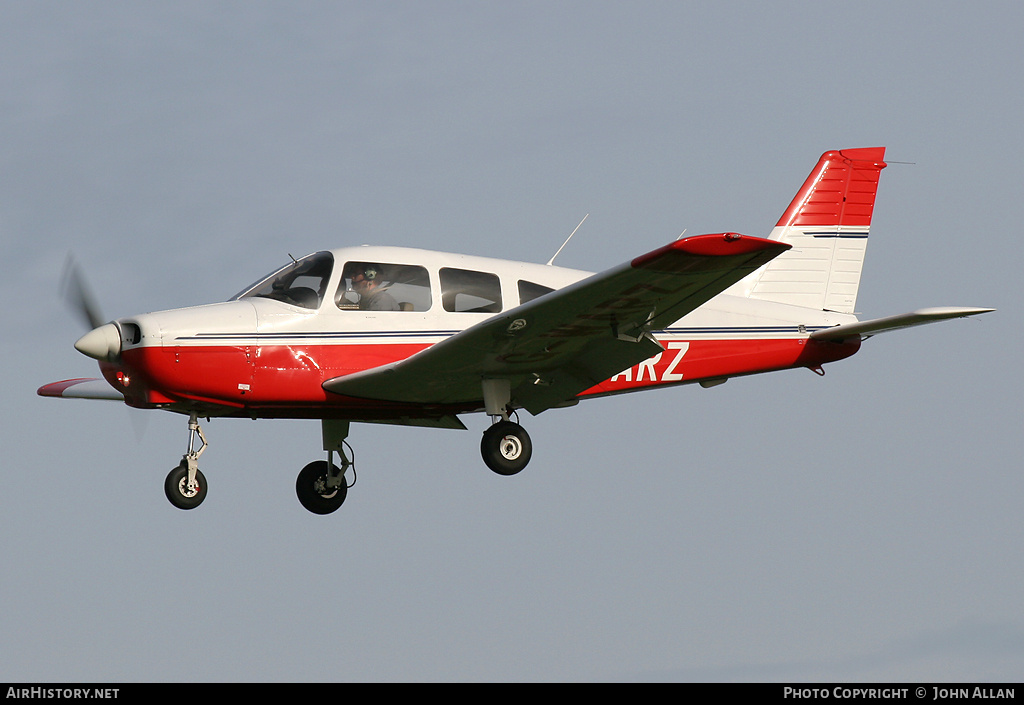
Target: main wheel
(179,493)
(313,492)
(506,448)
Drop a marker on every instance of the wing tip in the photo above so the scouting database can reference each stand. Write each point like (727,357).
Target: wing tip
(80,388)
(711,245)
(57,389)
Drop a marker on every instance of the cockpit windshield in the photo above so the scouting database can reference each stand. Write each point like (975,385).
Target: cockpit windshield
(300,283)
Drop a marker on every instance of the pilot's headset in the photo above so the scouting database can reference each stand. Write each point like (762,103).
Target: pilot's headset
(370,273)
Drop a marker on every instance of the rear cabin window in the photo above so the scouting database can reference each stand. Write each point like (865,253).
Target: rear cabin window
(468,291)
(528,291)
(383,286)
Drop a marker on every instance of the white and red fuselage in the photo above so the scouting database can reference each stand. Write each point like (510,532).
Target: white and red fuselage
(265,355)
(265,358)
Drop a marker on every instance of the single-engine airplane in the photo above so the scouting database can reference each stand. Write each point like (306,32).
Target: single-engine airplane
(414,337)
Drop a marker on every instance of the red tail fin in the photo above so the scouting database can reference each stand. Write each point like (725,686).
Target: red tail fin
(827,225)
(839,191)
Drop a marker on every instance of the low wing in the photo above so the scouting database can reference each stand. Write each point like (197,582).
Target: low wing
(81,388)
(866,329)
(554,347)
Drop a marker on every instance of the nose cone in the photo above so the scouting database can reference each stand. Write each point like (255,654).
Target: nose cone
(103,343)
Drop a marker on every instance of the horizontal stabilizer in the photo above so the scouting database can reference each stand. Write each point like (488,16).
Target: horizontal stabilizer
(866,329)
(83,388)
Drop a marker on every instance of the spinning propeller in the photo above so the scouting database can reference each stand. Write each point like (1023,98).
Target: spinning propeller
(103,341)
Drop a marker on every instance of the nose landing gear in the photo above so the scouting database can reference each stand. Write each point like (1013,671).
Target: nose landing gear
(185,485)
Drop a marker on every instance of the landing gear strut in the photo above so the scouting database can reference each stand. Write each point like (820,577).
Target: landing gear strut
(505,447)
(321,486)
(185,485)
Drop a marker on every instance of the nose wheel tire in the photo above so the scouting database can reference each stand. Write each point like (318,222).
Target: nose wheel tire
(313,491)
(178,491)
(506,448)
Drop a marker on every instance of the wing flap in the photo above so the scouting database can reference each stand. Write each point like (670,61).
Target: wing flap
(564,342)
(866,329)
(81,388)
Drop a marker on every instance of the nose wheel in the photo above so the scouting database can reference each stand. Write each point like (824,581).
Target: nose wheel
(182,492)
(185,485)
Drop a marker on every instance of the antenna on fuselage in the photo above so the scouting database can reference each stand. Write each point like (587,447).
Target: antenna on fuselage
(567,239)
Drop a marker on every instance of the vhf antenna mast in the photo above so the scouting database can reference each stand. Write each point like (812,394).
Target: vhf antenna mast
(567,239)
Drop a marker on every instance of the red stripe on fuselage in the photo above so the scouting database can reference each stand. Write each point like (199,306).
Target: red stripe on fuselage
(251,376)
(285,380)
(692,361)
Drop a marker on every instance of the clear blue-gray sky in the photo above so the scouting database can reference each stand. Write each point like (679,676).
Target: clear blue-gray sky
(861,526)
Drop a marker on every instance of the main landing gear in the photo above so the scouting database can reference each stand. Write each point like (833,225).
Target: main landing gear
(321,485)
(505,446)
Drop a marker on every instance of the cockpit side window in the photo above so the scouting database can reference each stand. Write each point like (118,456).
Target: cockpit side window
(382,286)
(467,291)
(300,283)
(528,291)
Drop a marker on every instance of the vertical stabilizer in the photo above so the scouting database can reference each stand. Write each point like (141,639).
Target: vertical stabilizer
(827,224)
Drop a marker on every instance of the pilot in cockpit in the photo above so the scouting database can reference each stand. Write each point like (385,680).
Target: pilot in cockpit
(366,281)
